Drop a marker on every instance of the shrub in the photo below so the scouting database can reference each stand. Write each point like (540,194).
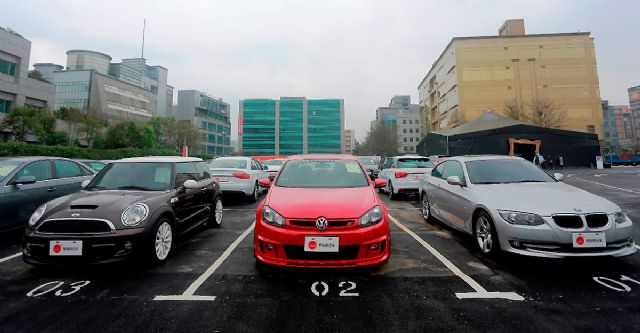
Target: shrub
(25,149)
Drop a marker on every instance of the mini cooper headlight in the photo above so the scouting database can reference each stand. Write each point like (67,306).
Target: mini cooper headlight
(521,218)
(373,216)
(134,214)
(620,217)
(35,217)
(272,217)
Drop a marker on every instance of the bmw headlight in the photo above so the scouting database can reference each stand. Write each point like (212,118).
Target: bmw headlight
(371,217)
(620,217)
(521,218)
(35,217)
(134,214)
(272,217)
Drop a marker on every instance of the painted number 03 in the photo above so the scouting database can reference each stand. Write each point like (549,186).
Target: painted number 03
(321,288)
(53,285)
(615,284)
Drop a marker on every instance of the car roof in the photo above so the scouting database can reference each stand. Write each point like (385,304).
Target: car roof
(158,159)
(233,158)
(410,156)
(30,158)
(465,158)
(322,157)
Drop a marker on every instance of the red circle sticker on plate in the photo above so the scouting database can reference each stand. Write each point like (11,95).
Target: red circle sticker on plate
(580,240)
(57,248)
(312,245)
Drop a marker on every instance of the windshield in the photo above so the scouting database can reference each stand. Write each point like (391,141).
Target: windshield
(228,164)
(134,176)
(505,171)
(6,168)
(366,160)
(415,163)
(273,162)
(322,174)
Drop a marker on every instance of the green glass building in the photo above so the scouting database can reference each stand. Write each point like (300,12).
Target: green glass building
(290,126)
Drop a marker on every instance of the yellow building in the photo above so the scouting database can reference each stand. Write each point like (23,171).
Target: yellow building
(476,74)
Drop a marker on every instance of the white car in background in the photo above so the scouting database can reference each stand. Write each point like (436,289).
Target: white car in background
(239,175)
(273,167)
(403,174)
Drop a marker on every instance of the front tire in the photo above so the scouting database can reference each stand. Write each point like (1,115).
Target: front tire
(392,196)
(215,219)
(426,208)
(161,242)
(253,197)
(484,231)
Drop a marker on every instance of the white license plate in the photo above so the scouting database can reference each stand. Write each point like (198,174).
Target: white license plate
(65,248)
(589,239)
(321,244)
(417,177)
(222,179)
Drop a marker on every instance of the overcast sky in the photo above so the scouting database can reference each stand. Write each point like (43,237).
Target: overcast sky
(363,51)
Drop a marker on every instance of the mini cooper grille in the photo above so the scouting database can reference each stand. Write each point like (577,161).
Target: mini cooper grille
(349,252)
(597,220)
(312,223)
(568,221)
(75,226)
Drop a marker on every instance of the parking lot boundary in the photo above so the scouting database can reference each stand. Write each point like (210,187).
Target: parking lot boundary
(480,292)
(189,294)
(605,185)
(15,255)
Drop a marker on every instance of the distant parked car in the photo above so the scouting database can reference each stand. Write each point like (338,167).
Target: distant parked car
(273,166)
(28,182)
(371,164)
(134,206)
(93,164)
(239,175)
(403,174)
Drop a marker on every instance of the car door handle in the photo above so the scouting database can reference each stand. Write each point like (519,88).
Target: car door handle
(51,189)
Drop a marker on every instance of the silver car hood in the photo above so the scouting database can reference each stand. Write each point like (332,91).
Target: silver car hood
(542,198)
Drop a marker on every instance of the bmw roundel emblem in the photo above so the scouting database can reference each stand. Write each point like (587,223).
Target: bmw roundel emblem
(321,223)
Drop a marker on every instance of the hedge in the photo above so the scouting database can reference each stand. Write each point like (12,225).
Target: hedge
(26,149)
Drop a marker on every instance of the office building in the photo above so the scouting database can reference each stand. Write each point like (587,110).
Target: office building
(290,125)
(47,69)
(211,116)
(476,74)
(405,118)
(16,88)
(349,138)
(634,105)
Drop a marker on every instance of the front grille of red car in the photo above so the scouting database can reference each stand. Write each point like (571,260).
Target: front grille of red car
(332,224)
(348,252)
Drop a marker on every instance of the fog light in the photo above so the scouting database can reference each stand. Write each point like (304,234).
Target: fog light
(269,247)
(128,246)
(375,246)
(515,244)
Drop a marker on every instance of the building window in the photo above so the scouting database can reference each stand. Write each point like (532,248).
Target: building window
(72,87)
(404,121)
(70,103)
(404,130)
(591,129)
(5,106)
(411,139)
(411,130)
(7,67)
(405,139)
(406,148)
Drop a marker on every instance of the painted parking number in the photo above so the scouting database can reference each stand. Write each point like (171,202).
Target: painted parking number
(615,284)
(321,288)
(53,285)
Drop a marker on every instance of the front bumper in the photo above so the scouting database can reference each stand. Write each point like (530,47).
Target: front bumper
(96,249)
(245,187)
(285,247)
(551,241)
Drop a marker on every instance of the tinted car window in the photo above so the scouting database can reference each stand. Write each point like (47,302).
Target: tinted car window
(229,164)
(414,163)
(437,171)
(66,169)
(6,168)
(505,171)
(41,170)
(184,172)
(387,163)
(273,162)
(453,168)
(149,176)
(322,174)
(203,171)
(97,165)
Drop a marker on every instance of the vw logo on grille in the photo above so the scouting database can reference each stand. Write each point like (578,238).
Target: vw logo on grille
(75,215)
(321,223)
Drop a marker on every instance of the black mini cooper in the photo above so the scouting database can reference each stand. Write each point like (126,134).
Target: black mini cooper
(133,206)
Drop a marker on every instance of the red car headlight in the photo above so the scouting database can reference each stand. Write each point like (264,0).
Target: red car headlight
(373,216)
(272,217)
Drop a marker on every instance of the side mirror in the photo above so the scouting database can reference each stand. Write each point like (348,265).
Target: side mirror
(85,183)
(266,183)
(25,180)
(558,176)
(454,180)
(265,167)
(378,183)
(190,184)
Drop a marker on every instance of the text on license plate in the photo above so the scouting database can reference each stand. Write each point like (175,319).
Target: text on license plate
(321,244)
(222,179)
(65,248)
(417,176)
(589,239)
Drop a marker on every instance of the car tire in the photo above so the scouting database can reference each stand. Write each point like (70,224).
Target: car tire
(161,242)
(485,235)
(253,197)
(392,196)
(426,208)
(216,215)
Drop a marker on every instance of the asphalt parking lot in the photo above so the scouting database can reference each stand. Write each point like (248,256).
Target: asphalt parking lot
(435,280)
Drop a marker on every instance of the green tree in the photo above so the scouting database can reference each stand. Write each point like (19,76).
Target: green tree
(21,121)
(117,136)
(91,128)
(381,140)
(44,127)
(34,74)
(173,133)
(72,117)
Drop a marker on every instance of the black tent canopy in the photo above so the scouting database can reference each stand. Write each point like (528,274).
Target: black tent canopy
(495,134)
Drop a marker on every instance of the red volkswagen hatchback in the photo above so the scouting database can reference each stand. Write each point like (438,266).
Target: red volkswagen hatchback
(322,211)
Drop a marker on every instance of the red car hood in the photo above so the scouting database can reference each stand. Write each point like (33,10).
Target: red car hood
(311,203)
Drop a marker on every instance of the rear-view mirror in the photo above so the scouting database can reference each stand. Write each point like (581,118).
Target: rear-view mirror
(558,176)
(454,180)
(25,180)
(190,184)
(266,183)
(85,183)
(378,183)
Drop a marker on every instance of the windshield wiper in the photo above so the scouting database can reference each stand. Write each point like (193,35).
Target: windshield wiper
(134,187)
(530,181)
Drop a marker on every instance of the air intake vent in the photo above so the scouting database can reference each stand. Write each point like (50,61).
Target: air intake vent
(83,207)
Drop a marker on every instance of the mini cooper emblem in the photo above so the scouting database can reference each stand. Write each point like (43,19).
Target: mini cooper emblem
(75,215)
(578,210)
(321,223)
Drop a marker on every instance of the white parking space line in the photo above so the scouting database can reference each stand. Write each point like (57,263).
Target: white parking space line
(480,292)
(10,257)
(605,185)
(237,209)
(188,295)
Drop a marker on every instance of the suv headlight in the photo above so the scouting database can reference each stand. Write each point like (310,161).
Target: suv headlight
(373,216)
(37,215)
(620,217)
(134,214)
(521,218)
(272,217)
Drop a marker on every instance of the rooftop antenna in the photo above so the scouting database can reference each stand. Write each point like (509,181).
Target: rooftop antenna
(144,26)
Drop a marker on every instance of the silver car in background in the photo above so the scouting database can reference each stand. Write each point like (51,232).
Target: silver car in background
(403,174)
(509,204)
(273,167)
(238,175)
(371,164)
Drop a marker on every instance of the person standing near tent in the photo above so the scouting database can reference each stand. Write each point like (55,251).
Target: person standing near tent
(560,162)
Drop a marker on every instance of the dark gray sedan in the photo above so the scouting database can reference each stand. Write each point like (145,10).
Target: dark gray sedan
(28,182)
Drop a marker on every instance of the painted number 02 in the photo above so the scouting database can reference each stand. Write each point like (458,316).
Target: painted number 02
(321,288)
(53,285)
(615,284)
